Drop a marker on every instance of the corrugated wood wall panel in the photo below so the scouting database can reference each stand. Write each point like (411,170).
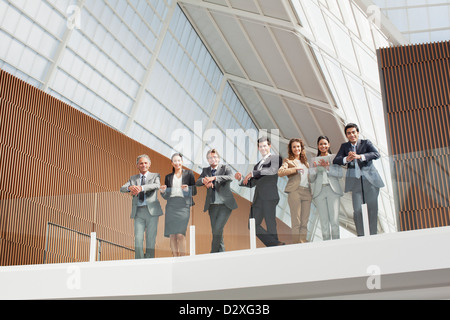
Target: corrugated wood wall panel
(61,166)
(416,92)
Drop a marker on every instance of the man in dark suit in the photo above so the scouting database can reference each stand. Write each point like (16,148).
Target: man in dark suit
(362,178)
(145,207)
(219,200)
(264,178)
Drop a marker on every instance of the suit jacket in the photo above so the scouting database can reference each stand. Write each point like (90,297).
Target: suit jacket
(150,188)
(368,170)
(334,175)
(265,180)
(224,177)
(288,169)
(187,178)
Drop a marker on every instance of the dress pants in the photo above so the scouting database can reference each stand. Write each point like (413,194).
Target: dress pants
(327,204)
(148,224)
(267,210)
(371,199)
(300,206)
(219,215)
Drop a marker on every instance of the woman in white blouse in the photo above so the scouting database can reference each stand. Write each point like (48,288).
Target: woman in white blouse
(178,190)
(296,168)
(326,189)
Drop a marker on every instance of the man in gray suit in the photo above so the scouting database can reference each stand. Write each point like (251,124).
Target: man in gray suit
(219,200)
(145,207)
(264,178)
(362,178)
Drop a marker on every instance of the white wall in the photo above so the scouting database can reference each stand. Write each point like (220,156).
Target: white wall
(402,265)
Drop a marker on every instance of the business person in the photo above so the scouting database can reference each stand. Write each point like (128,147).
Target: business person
(145,207)
(326,189)
(219,201)
(296,168)
(264,178)
(362,178)
(178,189)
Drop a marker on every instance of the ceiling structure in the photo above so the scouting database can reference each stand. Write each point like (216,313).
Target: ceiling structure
(420,21)
(259,45)
(303,67)
(306,68)
(266,55)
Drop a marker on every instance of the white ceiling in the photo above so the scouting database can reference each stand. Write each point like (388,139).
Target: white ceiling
(259,46)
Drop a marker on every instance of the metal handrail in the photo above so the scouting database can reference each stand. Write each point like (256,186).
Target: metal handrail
(79,233)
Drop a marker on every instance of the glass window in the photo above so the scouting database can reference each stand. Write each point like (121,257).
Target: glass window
(368,65)
(103,64)
(10,20)
(364,26)
(318,24)
(343,44)
(361,105)
(418,18)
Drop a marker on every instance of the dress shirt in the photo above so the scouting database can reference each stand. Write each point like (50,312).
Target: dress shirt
(304,176)
(176,187)
(363,158)
(260,165)
(142,203)
(216,198)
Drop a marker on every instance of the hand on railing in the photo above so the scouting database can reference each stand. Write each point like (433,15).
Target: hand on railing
(135,190)
(208,181)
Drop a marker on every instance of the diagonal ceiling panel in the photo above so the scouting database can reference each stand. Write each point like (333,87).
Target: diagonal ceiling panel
(274,9)
(306,121)
(272,59)
(241,45)
(207,29)
(299,64)
(278,109)
(255,105)
(249,6)
(257,45)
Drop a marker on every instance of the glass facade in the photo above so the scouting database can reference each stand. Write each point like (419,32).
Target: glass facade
(142,69)
(134,65)
(344,42)
(420,21)
(137,66)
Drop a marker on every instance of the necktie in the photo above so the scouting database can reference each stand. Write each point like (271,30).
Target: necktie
(142,195)
(260,164)
(357,169)
(213,194)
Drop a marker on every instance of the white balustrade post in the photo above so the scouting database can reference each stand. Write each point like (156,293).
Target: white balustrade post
(252,234)
(365,218)
(192,241)
(93,247)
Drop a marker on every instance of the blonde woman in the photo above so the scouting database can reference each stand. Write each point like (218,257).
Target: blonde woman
(296,168)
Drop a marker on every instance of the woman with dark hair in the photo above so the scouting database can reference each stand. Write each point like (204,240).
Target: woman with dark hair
(178,190)
(326,189)
(296,168)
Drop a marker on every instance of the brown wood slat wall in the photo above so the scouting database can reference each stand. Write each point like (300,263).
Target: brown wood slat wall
(61,166)
(416,93)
